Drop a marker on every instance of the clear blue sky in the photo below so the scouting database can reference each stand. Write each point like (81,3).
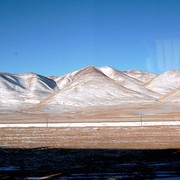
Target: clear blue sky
(55,37)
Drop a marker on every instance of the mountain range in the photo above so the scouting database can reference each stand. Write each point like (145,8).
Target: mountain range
(90,86)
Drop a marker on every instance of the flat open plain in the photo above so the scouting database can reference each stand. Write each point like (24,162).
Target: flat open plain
(92,138)
(110,135)
(95,152)
(120,127)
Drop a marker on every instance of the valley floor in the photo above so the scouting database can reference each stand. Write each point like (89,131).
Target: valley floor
(137,126)
(154,137)
(90,153)
(94,152)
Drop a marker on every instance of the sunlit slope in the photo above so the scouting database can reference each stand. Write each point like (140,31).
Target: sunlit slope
(143,77)
(165,82)
(129,82)
(173,96)
(90,86)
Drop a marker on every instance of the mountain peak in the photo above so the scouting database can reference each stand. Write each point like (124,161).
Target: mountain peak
(88,71)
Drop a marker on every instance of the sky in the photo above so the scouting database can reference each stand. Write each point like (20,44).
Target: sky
(56,37)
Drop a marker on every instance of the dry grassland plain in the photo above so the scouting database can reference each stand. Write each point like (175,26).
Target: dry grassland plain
(141,137)
(121,152)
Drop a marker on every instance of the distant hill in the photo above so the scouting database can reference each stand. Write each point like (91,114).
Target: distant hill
(90,86)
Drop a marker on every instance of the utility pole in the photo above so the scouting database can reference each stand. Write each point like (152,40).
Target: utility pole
(47,123)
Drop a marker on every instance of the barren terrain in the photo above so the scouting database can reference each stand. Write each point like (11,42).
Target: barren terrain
(143,152)
(92,138)
(89,136)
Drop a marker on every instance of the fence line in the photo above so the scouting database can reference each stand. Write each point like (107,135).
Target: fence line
(95,124)
(91,122)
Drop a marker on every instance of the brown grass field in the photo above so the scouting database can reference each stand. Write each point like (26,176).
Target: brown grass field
(91,152)
(164,137)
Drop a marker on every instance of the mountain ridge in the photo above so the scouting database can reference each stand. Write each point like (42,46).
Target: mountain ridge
(90,86)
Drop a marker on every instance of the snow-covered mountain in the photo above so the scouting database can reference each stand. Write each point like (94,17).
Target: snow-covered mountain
(128,82)
(165,82)
(173,96)
(143,77)
(28,87)
(90,86)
